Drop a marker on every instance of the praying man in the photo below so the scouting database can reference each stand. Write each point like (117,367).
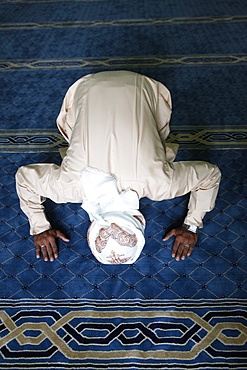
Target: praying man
(116,125)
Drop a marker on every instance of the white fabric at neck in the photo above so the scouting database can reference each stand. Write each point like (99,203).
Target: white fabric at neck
(103,196)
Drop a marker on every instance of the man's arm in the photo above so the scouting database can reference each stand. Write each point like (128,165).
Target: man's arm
(202,180)
(35,183)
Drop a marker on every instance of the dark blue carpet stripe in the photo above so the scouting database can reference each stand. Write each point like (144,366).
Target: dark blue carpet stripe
(57,10)
(97,41)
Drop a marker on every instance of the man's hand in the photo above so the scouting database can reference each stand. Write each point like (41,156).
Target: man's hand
(184,242)
(45,242)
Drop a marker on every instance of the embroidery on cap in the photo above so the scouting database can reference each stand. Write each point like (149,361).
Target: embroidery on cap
(102,239)
(117,258)
(114,231)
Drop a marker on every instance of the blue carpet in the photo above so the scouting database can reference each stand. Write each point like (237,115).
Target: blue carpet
(75,313)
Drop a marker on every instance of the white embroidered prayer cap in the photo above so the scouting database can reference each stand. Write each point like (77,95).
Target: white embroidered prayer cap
(119,239)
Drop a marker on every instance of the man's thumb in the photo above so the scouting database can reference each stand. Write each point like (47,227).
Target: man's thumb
(60,235)
(169,235)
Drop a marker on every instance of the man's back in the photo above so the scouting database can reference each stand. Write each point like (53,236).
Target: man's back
(117,117)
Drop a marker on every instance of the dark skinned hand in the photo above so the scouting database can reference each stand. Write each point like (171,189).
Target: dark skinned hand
(182,237)
(45,243)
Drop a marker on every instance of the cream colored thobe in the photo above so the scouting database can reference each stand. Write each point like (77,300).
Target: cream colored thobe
(117,122)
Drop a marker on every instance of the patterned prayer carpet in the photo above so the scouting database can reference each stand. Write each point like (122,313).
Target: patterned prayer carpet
(75,313)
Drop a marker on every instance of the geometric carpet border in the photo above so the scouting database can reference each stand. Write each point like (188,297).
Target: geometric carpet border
(123,334)
(121,22)
(192,137)
(120,62)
